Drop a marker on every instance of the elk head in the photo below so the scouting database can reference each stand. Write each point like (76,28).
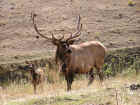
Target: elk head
(61,44)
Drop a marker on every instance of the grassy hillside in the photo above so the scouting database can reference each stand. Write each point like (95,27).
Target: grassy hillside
(114,23)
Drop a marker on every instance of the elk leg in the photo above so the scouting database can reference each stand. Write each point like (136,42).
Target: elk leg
(34,88)
(68,83)
(91,78)
(100,74)
(69,78)
(42,86)
(99,69)
(64,66)
(43,83)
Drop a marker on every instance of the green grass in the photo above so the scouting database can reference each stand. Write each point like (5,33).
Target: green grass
(131,3)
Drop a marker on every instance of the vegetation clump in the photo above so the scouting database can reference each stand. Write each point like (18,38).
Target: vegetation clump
(131,3)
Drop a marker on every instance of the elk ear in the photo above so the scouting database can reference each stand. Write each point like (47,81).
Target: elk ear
(70,42)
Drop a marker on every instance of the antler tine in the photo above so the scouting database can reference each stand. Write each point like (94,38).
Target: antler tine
(35,27)
(78,33)
(79,19)
(62,37)
(53,37)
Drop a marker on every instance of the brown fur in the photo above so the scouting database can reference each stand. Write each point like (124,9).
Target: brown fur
(86,56)
(82,59)
(37,76)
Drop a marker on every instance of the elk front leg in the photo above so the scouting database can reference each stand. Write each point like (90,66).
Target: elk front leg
(69,78)
(34,85)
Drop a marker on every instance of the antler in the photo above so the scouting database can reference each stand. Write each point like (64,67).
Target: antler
(56,38)
(77,33)
(72,36)
(36,29)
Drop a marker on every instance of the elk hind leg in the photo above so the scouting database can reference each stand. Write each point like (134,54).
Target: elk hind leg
(42,83)
(100,74)
(35,86)
(99,64)
(91,76)
(41,86)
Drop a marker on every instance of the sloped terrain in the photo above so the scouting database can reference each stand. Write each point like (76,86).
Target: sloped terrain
(113,22)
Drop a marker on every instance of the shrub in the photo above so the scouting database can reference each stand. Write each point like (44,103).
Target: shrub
(131,3)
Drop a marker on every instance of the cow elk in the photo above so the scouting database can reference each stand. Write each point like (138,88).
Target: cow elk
(37,75)
(80,58)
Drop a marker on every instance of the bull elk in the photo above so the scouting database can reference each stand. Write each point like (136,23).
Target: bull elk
(80,58)
(37,75)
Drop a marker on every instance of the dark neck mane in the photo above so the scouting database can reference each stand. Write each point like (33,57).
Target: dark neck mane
(59,56)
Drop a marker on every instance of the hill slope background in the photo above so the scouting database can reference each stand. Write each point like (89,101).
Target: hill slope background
(112,22)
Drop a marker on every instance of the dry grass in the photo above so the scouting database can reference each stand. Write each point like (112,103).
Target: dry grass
(55,90)
(96,93)
(25,91)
